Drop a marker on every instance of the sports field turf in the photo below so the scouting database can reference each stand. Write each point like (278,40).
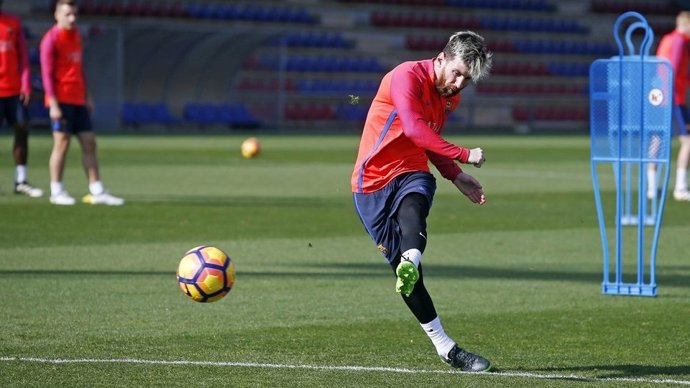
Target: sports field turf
(89,295)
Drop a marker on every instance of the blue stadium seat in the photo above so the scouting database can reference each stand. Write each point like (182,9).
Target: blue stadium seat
(233,115)
(323,63)
(305,86)
(224,114)
(277,15)
(300,15)
(568,69)
(161,114)
(371,65)
(208,114)
(241,117)
(282,15)
(340,86)
(136,114)
(227,12)
(268,62)
(202,11)
(192,112)
(349,112)
(146,115)
(129,114)
(312,39)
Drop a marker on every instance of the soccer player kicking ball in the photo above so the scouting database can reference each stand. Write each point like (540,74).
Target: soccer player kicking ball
(393,188)
(67,99)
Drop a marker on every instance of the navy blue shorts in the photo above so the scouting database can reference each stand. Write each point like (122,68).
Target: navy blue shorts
(681,116)
(377,210)
(75,119)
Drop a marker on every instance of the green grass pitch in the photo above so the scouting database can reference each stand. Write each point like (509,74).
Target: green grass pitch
(89,296)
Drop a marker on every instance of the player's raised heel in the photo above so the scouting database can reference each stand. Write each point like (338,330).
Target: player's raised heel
(466,361)
(408,275)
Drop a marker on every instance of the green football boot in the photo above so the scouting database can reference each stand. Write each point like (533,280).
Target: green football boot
(408,275)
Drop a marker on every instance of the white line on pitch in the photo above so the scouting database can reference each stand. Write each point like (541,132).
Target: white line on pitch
(352,368)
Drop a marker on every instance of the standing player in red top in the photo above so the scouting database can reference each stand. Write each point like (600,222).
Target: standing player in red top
(15,88)
(67,98)
(674,47)
(393,188)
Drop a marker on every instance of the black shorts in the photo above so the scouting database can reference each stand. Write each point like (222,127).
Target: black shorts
(75,119)
(8,110)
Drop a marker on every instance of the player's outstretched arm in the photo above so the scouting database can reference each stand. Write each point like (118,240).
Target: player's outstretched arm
(470,187)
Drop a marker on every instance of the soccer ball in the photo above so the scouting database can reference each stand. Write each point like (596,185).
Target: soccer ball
(251,147)
(206,274)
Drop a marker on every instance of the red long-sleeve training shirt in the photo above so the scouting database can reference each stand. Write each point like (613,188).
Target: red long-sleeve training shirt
(61,66)
(15,74)
(402,130)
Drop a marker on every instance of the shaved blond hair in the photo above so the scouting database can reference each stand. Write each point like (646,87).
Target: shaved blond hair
(469,46)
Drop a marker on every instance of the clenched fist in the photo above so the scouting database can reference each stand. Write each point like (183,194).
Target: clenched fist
(476,157)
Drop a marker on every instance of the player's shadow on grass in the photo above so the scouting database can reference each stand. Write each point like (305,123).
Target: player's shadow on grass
(667,276)
(626,370)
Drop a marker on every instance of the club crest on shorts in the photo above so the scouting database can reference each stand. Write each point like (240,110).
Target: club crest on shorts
(383,249)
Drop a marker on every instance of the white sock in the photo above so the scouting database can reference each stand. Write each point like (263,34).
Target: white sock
(438,336)
(414,255)
(20,174)
(681,179)
(651,183)
(96,188)
(56,188)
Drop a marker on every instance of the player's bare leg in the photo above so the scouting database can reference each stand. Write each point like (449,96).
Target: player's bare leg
(652,189)
(97,193)
(87,140)
(58,194)
(20,150)
(680,192)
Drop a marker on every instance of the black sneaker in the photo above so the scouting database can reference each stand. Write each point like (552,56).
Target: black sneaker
(26,189)
(466,361)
